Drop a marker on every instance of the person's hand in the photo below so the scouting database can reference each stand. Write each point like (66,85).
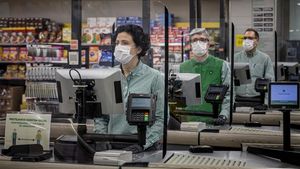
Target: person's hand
(135,148)
(221,120)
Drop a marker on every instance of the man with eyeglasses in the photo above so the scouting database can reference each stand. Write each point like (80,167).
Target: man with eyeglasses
(260,63)
(212,70)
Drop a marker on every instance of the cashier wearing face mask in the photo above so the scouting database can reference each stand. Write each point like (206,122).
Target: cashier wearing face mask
(259,62)
(132,44)
(212,70)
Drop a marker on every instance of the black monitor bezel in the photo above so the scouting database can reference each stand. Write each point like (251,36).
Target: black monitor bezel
(283,106)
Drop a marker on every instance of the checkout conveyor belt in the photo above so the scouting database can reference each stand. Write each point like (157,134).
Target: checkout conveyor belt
(267,118)
(232,138)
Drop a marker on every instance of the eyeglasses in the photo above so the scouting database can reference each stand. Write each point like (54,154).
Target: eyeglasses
(248,37)
(199,39)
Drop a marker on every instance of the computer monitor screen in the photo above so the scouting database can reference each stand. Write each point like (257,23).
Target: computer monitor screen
(107,89)
(284,95)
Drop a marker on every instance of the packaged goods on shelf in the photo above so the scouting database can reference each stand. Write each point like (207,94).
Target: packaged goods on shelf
(94,54)
(160,20)
(175,35)
(177,38)
(98,30)
(41,72)
(46,91)
(45,53)
(5,38)
(29,30)
(105,24)
(14,71)
(13,54)
(66,33)
(42,97)
(135,20)
(23,54)
(106,56)
(5,54)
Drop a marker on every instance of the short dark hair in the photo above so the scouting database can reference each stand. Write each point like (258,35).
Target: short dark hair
(140,38)
(253,30)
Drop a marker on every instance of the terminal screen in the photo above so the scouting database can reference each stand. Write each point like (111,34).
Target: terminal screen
(141,102)
(284,95)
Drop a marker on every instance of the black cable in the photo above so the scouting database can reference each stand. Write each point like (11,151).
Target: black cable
(70,74)
(171,71)
(81,141)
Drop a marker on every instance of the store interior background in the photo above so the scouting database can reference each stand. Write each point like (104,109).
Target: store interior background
(240,12)
(285,19)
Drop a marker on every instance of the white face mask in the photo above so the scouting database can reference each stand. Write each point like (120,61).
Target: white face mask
(248,44)
(199,48)
(122,54)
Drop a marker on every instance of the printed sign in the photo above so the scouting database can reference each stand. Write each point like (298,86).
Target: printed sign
(27,129)
(74,44)
(73,58)
(239,40)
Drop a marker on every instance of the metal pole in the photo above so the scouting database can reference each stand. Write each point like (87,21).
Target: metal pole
(146,27)
(286,130)
(198,13)
(232,69)
(222,30)
(276,57)
(76,26)
(166,81)
(192,15)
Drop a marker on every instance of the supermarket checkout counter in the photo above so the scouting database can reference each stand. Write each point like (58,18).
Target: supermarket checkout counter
(232,138)
(173,159)
(180,140)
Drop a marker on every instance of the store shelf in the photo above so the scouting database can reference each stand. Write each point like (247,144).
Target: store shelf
(12,81)
(23,62)
(45,80)
(12,62)
(12,45)
(25,44)
(43,62)
(55,44)
(5,78)
(170,44)
(47,102)
(102,47)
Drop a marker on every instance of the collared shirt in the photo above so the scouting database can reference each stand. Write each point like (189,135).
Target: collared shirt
(226,74)
(142,80)
(260,67)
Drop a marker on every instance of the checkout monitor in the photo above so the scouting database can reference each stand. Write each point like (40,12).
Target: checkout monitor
(242,73)
(108,89)
(191,87)
(284,95)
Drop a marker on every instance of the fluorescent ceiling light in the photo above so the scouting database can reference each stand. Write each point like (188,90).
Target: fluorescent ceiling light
(298,3)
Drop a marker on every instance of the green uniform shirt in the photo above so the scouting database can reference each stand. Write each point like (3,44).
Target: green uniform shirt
(260,65)
(142,80)
(212,71)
